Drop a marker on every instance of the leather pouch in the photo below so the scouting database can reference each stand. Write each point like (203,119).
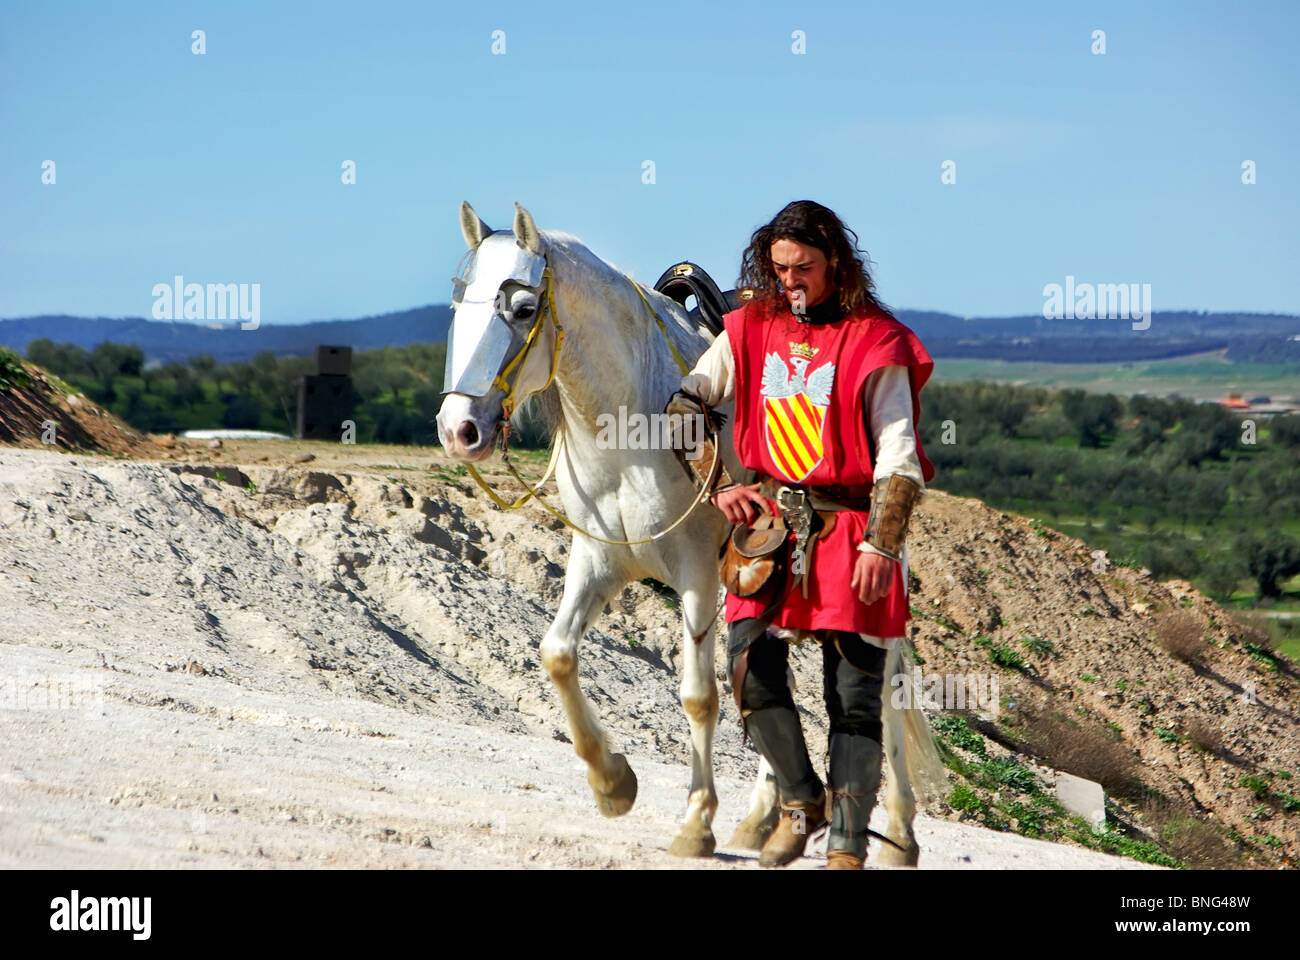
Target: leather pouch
(753,554)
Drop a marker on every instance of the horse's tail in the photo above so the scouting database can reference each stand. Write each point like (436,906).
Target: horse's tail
(925,769)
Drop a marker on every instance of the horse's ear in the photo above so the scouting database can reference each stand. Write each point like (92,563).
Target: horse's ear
(471,226)
(526,231)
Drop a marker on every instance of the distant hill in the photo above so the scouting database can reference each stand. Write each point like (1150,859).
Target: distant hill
(1249,337)
(1173,324)
(164,341)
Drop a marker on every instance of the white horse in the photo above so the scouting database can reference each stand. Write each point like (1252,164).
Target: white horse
(505,347)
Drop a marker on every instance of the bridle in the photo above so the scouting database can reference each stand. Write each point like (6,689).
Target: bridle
(545,308)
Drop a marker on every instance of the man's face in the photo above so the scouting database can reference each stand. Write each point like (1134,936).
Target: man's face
(803,271)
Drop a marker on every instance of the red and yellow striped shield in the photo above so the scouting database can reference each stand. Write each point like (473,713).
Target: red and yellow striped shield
(794,434)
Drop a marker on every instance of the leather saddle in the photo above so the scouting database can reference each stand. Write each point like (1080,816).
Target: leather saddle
(685,280)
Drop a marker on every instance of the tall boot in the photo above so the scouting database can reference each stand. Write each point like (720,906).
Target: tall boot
(855,777)
(778,736)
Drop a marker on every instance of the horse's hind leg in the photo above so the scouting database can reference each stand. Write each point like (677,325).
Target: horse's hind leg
(585,593)
(900,802)
(764,811)
(699,694)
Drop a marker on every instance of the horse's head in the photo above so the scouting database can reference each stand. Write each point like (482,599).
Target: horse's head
(501,349)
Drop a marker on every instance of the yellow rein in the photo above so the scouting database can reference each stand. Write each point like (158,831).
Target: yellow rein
(534,491)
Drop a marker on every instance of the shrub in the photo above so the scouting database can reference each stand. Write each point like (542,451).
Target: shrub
(959,734)
(1180,636)
(1204,737)
(1029,822)
(1008,772)
(1257,785)
(1085,750)
(1248,629)
(1037,645)
(1197,844)
(1194,842)
(12,372)
(964,798)
(1001,654)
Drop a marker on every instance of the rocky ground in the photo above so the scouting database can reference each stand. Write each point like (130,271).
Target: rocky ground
(279,653)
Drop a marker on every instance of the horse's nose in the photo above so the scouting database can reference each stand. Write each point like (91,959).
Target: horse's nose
(467,434)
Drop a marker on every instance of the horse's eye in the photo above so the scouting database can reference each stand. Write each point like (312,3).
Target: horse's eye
(524,312)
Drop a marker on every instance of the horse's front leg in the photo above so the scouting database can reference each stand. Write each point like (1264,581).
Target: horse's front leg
(699,695)
(587,588)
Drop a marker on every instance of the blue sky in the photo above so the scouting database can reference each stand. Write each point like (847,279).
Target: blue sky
(225,167)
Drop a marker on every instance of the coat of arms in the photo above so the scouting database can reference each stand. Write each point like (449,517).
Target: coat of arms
(795,405)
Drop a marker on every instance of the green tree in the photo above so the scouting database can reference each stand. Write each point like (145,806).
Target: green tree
(242,412)
(1224,572)
(1147,434)
(1093,416)
(64,360)
(205,368)
(43,353)
(1269,559)
(1208,495)
(1282,431)
(1168,556)
(109,361)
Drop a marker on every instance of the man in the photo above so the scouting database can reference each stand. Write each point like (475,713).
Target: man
(826,386)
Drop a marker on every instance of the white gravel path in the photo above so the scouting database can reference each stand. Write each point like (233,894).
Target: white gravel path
(181,686)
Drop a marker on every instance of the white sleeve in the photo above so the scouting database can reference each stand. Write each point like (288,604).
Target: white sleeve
(887,397)
(713,379)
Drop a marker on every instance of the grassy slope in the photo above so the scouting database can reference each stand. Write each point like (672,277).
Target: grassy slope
(1206,376)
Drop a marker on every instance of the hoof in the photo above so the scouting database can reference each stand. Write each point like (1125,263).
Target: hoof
(891,856)
(689,843)
(752,834)
(618,799)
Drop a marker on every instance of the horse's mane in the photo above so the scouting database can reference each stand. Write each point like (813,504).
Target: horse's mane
(594,272)
(590,277)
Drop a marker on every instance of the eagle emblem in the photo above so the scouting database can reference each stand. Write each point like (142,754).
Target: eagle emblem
(795,403)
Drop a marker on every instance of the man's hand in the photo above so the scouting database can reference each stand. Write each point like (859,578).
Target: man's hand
(740,504)
(873,576)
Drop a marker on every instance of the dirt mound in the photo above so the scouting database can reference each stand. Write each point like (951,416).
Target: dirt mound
(1096,660)
(29,406)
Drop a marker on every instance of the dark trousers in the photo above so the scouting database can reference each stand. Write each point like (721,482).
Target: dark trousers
(852,677)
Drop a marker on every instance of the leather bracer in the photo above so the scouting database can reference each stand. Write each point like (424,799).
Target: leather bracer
(698,456)
(892,500)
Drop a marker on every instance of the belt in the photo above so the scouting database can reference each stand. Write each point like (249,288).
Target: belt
(808,513)
(825,497)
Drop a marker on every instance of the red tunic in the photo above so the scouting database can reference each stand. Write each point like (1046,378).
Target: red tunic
(800,418)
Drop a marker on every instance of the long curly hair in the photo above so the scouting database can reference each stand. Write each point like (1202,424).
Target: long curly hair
(808,222)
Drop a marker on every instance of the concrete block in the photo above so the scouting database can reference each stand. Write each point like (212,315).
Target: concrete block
(1083,798)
